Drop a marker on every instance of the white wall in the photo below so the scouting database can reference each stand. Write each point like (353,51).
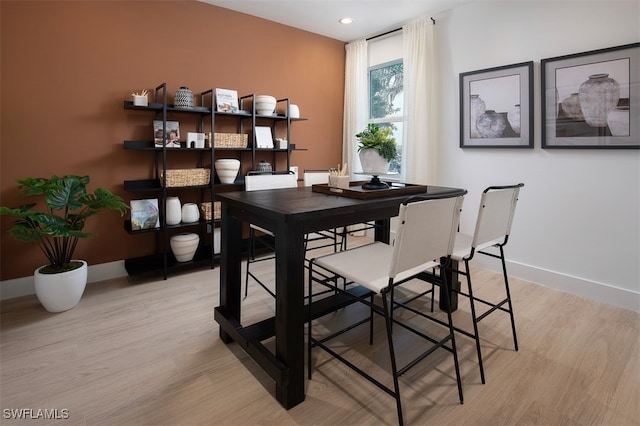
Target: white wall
(577,227)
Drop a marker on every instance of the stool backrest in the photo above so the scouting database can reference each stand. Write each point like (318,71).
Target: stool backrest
(495,215)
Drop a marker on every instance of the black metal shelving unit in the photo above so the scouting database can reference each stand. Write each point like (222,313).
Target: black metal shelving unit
(163,260)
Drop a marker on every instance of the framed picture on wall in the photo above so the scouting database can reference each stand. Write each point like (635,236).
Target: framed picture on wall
(592,99)
(496,107)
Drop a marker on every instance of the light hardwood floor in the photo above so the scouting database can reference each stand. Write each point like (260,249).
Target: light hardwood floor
(147,353)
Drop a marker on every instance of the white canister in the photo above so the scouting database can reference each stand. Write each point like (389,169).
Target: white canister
(173,211)
(294,111)
(190,213)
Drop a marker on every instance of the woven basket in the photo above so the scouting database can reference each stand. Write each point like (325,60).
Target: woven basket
(230,140)
(186,177)
(205,208)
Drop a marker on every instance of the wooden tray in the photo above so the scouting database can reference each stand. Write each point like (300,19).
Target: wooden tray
(355,190)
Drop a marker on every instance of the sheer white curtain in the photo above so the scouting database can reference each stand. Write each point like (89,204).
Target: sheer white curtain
(356,99)
(420,98)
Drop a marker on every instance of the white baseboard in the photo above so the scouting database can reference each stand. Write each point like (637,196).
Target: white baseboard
(616,296)
(600,292)
(24,286)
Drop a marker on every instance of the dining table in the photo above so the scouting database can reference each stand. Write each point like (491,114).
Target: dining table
(290,214)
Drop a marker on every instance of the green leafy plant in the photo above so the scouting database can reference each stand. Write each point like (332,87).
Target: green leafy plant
(380,139)
(58,229)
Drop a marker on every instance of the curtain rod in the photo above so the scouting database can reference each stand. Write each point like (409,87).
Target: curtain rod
(393,31)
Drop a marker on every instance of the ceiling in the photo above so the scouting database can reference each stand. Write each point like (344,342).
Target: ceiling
(370,17)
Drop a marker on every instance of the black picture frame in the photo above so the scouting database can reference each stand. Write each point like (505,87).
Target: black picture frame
(579,104)
(504,91)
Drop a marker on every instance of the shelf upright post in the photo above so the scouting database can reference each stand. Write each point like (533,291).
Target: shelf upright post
(212,190)
(165,233)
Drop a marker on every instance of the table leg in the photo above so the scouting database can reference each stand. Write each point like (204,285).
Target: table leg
(230,267)
(454,286)
(290,319)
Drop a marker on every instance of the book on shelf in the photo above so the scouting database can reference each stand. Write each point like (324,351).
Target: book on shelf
(172,140)
(144,214)
(264,138)
(226,100)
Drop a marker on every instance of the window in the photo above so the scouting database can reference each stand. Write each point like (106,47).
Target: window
(386,103)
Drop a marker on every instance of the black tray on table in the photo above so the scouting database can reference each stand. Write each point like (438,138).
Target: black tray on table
(356,191)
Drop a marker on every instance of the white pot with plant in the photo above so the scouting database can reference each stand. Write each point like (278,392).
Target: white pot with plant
(376,149)
(57,229)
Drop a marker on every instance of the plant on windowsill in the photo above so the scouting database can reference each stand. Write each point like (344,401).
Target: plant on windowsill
(57,231)
(376,149)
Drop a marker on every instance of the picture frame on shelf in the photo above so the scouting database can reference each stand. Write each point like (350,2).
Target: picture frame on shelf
(144,214)
(591,99)
(226,100)
(496,107)
(173,134)
(264,137)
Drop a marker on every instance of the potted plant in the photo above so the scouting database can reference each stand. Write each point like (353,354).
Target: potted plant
(376,148)
(57,231)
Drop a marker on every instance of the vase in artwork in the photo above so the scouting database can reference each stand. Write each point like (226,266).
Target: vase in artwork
(618,121)
(598,96)
(173,211)
(571,107)
(184,246)
(513,116)
(491,124)
(227,169)
(190,213)
(477,107)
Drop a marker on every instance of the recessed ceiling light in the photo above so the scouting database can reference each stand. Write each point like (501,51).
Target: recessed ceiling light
(345,20)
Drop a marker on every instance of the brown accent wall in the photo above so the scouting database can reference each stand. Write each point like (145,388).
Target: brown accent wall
(67,67)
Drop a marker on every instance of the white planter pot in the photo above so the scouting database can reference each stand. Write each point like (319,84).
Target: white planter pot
(173,211)
(227,169)
(184,246)
(372,162)
(190,213)
(61,292)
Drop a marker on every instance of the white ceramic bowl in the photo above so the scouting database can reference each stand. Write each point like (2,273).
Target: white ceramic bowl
(265,104)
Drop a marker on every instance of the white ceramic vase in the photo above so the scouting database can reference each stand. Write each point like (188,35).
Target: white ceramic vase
(61,292)
(598,96)
(227,169)
(184,246)
(265,104)
(513,117)
(294,111)
(618,121)
(372,162)
(477,108)
(173,211)
(190,213)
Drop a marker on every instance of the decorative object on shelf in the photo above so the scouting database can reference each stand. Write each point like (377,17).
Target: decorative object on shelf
(172,140)
(183,98)
(186,177)
(195,140)
(598,96)
(184,246)
(173,211)
(513,117)
(226,100)
(376,149)
(230,140)
(294,111)
(58,228)
(571,107)
(281,143)
(618,121)
(205,208)
(227,169)
(144,214)
(478,108)
(190,213)
(264,166)
(491,124)
(141,99)
(497,89)
(264,137)
(612,80)
(265,104)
